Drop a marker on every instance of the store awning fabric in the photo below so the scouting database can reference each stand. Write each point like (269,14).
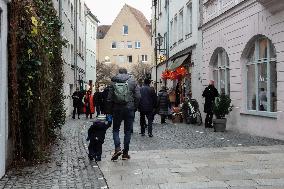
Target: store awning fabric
(177,62)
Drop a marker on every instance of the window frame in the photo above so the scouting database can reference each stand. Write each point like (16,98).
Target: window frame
(123,30)
(256,62)
(113,42)
(219,68)
(137,46)
(128,58)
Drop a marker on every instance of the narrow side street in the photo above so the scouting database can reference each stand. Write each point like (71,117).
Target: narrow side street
(68,167)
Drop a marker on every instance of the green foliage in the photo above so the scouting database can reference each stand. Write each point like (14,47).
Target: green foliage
(222,106)
(40,75)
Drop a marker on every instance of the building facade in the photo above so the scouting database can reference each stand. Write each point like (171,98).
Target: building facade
(243,52)
(178,23)
(127,41)
(72,15)
(3,86)
(91,45)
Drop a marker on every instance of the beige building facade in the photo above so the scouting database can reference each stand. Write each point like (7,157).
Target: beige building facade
(127,41)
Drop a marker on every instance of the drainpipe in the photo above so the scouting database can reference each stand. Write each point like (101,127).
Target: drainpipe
(156,53)
(168,37)
(75,41)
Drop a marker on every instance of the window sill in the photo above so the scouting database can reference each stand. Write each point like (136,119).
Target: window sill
(260,114)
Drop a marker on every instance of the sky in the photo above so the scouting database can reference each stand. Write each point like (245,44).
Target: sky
(107,10)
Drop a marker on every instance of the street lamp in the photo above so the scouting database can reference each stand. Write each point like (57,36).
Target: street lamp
(159,41)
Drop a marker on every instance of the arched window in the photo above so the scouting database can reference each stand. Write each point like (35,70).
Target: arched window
(261,76)
(221,70)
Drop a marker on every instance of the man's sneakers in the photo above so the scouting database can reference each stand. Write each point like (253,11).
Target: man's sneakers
(116,154)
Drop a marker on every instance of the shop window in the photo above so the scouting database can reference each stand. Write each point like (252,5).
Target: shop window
(221,70)
(261,76)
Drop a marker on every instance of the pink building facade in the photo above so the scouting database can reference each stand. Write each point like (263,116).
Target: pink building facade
(243,51)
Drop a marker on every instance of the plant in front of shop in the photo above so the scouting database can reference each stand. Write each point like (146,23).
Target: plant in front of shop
(222,107)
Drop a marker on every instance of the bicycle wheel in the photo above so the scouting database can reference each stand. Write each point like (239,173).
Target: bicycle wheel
(198,118)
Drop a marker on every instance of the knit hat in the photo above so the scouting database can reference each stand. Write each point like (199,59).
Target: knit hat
(101,117)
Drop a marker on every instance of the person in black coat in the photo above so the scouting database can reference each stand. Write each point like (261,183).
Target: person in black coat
(98,101)
(77,103)
(210,93)
(96,136)
(147,107)
(163,104)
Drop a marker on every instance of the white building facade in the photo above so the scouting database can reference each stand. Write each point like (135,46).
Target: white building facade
(91,41)
(178,22)
(3,86)
(243,52)
(71,13)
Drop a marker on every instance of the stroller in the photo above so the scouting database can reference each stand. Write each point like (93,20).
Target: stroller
(191,113)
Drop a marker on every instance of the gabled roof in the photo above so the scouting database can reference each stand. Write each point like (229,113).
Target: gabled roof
(141,19)
(102,31)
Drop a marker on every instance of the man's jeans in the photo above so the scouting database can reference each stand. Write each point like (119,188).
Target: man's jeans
(150,118)
(126,115)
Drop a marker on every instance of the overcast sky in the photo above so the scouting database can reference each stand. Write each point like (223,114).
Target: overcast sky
(107,10)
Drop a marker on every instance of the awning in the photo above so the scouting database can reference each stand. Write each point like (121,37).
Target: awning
(177,62)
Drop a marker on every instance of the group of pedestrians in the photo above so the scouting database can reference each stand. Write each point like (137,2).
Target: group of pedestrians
(88,103)
(122,99)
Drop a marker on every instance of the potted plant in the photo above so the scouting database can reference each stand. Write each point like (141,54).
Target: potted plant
(222,107)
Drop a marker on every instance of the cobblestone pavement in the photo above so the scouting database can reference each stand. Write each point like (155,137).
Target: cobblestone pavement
(68,166)
(168,159)
(181,156)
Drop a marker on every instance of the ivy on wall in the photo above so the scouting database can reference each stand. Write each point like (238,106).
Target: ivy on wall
(35,76)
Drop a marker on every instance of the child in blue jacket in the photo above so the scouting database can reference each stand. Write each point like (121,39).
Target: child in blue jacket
(96,136)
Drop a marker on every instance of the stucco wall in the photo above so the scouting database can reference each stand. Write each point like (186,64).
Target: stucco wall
(232,31)
(136,33)
(91,32)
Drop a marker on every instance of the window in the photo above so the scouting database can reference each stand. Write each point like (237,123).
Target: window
(261,76)
(121,45)
(113,45)
(175,36)
(137,44)
(129,44)
(189,18)
(172,32)
(80,10)
(125,30)
(72,14)
(144,58)
(80,43)
(121,59)
(129,59)
(180,26)
(72,54)
(221,70)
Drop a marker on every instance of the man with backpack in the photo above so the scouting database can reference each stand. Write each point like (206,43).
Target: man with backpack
(122,102)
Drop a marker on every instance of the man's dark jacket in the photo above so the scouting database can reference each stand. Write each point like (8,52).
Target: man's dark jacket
(148,101)
(210,93)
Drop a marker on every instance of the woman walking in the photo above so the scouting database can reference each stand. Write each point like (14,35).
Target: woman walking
(163,104)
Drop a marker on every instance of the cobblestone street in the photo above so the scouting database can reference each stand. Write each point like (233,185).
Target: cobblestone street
(69,166)
(168,160)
